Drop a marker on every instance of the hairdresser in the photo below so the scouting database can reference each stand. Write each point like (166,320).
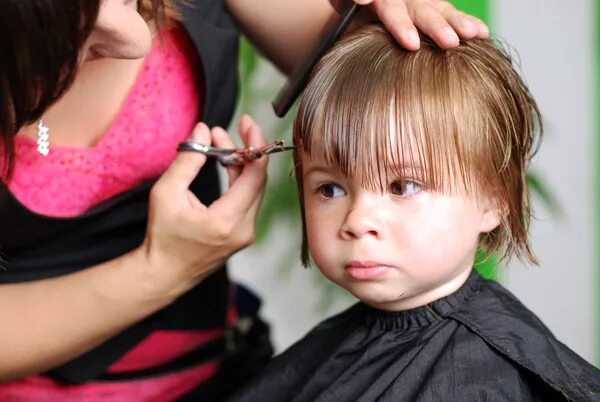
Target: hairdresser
(113,284)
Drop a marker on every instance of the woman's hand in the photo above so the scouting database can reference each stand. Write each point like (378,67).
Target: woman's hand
(186,240)
(436,18)
(286,30)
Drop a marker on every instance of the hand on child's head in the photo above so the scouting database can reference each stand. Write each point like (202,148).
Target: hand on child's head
(436,18)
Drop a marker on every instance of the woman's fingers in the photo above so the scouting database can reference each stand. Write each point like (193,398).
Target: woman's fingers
(249,185)
(438,19)
(466,26)
(250,132)
(433,23)
(221,139)
(186,240)
(252,135)
(463,26)
(394,15)
(482,31)
(186,165)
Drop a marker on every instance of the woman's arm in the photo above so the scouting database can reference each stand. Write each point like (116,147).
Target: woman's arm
(46,323)
(284,30)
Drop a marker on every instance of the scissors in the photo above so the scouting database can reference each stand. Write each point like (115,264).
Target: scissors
(286,96)
(234,156)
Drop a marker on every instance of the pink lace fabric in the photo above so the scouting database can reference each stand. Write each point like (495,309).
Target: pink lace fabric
(159,112)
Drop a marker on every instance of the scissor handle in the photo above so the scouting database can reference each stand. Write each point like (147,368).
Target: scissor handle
(195,146)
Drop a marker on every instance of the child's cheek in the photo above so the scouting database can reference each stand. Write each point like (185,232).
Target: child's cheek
(321,233)
(447,223)
(316,227)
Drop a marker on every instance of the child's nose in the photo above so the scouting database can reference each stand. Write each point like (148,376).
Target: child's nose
(363,219)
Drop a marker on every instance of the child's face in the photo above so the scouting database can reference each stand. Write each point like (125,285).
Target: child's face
(394,250)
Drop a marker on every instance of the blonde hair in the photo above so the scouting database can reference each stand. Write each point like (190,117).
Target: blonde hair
(464,115)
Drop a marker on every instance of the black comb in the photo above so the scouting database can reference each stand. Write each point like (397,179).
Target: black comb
(300,75)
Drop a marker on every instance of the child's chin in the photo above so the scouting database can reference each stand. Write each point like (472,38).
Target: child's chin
(376,298)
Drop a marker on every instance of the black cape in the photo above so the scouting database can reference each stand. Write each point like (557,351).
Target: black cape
(478,344)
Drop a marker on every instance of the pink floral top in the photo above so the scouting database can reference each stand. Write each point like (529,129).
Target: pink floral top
(160,111)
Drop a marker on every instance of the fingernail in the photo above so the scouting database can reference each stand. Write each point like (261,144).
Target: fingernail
(199,131)
(246,122)
(485,29)
(450,34)
(413,36)
(249,118)
(362,2)
(468,24)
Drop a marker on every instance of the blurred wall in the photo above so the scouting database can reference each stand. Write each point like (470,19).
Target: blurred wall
(556,41)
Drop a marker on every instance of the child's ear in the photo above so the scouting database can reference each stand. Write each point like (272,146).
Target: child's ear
(491,214)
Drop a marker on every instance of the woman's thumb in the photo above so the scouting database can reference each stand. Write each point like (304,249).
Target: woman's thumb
(187,164)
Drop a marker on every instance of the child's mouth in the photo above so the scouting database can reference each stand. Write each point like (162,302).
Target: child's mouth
(367,270)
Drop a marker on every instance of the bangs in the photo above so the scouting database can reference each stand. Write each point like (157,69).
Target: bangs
(377,110)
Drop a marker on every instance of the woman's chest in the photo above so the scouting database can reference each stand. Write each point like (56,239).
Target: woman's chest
(139,142)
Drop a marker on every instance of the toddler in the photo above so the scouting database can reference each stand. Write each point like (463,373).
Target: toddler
(407,163)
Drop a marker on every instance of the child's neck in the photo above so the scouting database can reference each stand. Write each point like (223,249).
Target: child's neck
(422,299)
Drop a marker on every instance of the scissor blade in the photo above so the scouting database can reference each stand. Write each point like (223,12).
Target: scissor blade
(278,149)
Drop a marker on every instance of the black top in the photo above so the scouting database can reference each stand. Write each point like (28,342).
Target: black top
(34,246)
(478,344)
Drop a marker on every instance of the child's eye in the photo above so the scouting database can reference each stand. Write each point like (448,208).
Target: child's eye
(405,188)
(330,190)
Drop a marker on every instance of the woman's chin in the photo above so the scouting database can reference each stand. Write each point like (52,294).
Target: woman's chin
(125,52)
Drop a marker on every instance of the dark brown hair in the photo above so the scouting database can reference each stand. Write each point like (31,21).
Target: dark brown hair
(463,116)
(39,56)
